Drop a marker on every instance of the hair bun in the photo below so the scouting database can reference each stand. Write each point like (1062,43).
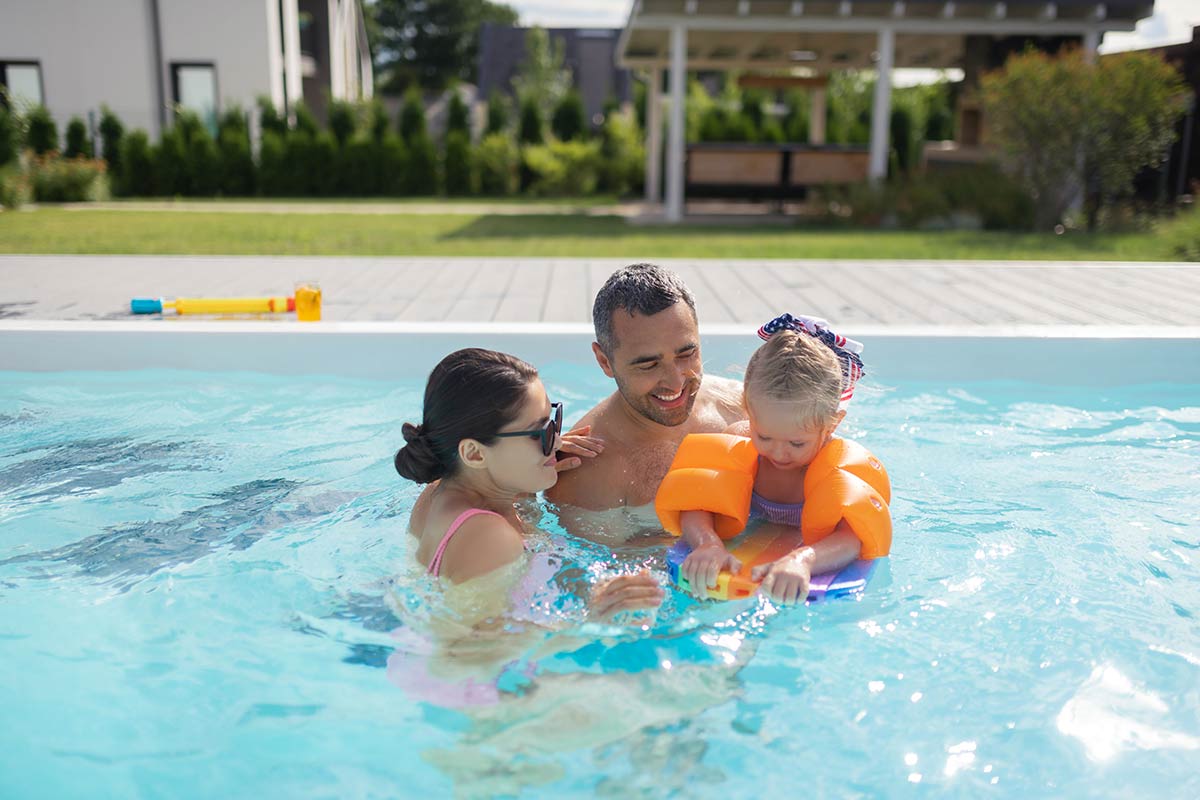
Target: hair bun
(412,433)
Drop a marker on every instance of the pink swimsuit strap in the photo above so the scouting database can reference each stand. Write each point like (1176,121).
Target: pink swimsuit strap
(435,566)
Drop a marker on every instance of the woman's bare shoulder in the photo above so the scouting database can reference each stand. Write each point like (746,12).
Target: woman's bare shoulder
(482,544)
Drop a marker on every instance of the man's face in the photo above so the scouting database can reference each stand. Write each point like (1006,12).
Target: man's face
(656,363)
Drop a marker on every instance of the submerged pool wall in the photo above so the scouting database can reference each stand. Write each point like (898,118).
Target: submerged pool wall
(1054,355)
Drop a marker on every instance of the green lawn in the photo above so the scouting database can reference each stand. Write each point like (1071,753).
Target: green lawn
(60,230)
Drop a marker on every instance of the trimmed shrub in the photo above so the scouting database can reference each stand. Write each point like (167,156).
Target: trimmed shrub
(41,134)
(497,159)
(530,128)
(313,162)
(15,188)
(237,162)
(563,168)
(421,177)
(67,180)
(623,156)
(270,120)
(305,121)
(457,164)
(377,121)
(412,117)
(497,113)
(274,177)
(903,146)
(458,116)
(111,131)
(1181,236)
(371,168)
(342,121)
(135,173)
(8,136)
(569,120)
(171,164)
(79,144)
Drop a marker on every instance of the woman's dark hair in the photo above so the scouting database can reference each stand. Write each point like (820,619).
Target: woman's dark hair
(471,394)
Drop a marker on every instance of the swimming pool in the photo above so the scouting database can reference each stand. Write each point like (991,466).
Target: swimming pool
(199,569)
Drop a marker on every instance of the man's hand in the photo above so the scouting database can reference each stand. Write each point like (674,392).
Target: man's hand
(786,580)
(624,593)
(704,564)
(578,445)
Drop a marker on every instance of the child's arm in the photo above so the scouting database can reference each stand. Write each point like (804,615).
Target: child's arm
(708,556)
(786,580)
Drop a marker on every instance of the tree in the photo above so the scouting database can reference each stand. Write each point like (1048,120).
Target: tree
(430,43)
(111,131)
(542,77)
(1064,123)
(458,116)
(412,116)
(79,144)
(497,113)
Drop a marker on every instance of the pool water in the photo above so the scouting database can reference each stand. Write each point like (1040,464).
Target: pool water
(203,576)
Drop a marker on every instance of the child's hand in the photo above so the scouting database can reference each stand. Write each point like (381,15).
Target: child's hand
(704,564)
(786,580)
(577,442)
(624,593)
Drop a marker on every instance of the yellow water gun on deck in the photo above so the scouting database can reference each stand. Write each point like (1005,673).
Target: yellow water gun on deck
(306,304)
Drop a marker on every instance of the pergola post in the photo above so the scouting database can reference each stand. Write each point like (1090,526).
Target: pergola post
(654,137)
(675,130)
(1091,44)
(881,109)
(816,116)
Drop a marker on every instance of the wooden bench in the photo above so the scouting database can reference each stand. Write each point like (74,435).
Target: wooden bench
(769,171)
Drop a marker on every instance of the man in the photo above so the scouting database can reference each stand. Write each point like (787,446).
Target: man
(648,341)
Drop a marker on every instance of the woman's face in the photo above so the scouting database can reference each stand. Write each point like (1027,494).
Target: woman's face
(517,463)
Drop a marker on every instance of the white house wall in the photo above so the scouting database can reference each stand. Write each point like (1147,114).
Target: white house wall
(90,53)
(232,34)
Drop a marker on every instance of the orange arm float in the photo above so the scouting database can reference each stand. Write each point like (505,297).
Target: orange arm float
(846,482)
(711,472)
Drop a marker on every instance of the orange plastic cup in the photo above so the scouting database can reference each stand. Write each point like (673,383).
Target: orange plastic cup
(308,301)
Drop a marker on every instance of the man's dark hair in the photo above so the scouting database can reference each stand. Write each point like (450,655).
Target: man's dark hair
(638,289)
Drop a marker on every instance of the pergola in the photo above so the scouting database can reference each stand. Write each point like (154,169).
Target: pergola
(813,38)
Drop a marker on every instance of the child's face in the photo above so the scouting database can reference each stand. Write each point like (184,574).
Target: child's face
(780,436)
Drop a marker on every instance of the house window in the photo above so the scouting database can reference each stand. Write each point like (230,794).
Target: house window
(22,82)
(194,87)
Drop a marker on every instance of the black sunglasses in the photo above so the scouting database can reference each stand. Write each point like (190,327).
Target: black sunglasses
(547,433)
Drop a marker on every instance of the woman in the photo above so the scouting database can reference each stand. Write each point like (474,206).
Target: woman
(488,436)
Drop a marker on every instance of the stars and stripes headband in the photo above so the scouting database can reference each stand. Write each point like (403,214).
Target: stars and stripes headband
(847,350)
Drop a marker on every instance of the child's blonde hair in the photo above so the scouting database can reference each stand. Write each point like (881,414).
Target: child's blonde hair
(796,368)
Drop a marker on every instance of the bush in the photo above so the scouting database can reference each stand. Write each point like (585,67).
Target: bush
(111,131)
(371,167)
(41,134)
(569,120)
(342,121)
(421,177)
(529,131)
(237,162)
(15,188)
(67,180)
(903,145)
(377,121)
(458,116)
(79,144)
(312,163)
(623,156)
(497,159)
(412,117)
(274,177)
(269,120)
(1181,236)
(8,136)
(135,173)
(171,164)
(457,164)
(497,113)
(563,168)
(305,121)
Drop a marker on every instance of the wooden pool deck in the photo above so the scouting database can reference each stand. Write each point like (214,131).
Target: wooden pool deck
(358,289)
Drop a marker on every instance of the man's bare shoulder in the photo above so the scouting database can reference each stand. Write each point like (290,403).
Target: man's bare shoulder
(595,483)
(722,398)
